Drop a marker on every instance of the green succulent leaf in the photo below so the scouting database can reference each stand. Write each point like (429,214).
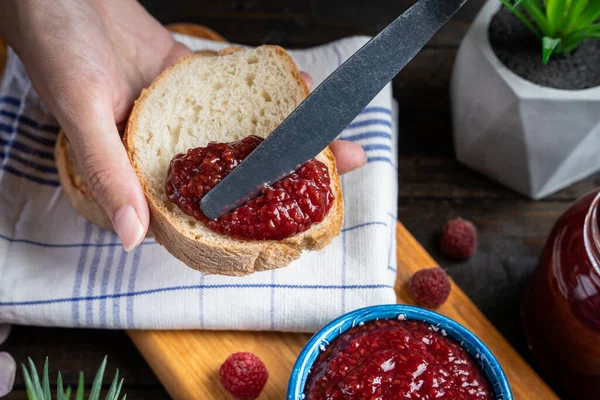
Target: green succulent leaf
(46,382)
(118,391)
(80,388)
(548,45)
(555,11)
(535,11)
(37,390)
(31,395)
(37,386)
(583,32)
(590,15)
(573,12)
(60,390)
(96,385)
(570,43)
(113,387)
(522,17)
(560,25)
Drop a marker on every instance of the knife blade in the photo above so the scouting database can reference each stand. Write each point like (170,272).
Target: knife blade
(332,106)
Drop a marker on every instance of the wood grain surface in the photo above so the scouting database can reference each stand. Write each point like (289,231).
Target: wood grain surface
(187,362)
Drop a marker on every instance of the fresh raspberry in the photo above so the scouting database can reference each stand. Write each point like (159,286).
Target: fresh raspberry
(429,287)
(459,240)
(244,375)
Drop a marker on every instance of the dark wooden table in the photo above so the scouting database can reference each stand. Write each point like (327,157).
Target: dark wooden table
(433,186)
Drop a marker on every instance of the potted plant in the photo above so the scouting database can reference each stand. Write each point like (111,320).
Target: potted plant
(39,388)
(525,93)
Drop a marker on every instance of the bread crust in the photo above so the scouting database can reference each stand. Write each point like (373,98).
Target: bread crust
(230,256)
(206,53)
(196,31)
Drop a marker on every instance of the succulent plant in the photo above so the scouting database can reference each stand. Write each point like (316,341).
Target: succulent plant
(560,25)
(37,390)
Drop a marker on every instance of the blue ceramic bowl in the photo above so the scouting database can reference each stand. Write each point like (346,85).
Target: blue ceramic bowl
(483,355)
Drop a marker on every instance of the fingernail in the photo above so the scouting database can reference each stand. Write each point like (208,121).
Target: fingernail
(361,164)
(129,227)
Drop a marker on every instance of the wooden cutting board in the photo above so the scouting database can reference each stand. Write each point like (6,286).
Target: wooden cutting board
(187,362)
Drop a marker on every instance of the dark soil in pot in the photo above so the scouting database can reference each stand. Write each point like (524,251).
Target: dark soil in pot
(521,52)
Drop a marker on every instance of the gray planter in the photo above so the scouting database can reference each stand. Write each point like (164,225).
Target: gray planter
(533,139)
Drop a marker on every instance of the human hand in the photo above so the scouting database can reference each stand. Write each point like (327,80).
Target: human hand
(89,61)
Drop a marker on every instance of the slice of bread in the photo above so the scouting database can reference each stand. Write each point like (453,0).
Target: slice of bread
(225,98)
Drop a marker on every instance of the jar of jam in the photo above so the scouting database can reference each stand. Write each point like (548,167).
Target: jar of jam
(561,311)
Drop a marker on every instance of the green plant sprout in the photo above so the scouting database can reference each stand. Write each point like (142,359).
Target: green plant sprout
(37,390)
(560,25)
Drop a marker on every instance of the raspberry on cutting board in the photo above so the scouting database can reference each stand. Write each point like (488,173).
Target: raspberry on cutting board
(244,375)
(459,239)
(429,287)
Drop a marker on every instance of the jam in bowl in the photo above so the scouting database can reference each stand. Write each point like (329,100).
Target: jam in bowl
(393,352)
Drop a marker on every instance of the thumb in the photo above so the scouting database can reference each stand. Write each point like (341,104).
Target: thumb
(108,172)
(177,51)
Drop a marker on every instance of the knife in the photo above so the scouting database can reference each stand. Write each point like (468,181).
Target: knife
(331,107)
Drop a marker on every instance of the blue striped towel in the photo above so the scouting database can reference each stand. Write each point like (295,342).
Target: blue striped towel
(56,269)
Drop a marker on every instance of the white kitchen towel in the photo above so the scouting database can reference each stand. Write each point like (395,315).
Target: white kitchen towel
(56,269)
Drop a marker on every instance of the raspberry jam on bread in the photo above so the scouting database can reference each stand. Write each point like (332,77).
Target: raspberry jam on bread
(396,359)
(288,207)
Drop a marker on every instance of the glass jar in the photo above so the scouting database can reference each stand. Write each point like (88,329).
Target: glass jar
(561,311)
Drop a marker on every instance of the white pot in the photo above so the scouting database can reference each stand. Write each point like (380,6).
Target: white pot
(533,139)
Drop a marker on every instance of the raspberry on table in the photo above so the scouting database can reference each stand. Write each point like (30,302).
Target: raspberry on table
(244,375)
(459,239)
(429,287)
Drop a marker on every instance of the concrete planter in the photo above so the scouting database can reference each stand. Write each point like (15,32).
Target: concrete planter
(533,139)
